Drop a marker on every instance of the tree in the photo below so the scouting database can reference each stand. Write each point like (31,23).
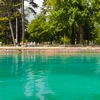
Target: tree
(33,5)
(9,11)
(76,20)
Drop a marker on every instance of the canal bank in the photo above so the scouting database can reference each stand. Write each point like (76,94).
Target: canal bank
(50,49)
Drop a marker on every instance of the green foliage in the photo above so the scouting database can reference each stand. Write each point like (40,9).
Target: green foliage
(65,40)
(16,14)
(1,2)
(85,42)
(67,17)
(97,41)
(38,28)
(4,19)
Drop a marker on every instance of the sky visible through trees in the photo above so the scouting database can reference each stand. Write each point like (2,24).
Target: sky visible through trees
(39,2)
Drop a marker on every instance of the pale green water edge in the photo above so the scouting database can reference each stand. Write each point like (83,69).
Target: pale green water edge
(50,77)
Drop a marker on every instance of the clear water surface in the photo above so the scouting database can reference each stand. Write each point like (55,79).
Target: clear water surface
(50,77)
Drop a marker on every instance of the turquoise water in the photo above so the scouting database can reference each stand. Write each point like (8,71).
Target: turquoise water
(50,77)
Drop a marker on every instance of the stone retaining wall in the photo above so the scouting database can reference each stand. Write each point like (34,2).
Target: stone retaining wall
(50,49)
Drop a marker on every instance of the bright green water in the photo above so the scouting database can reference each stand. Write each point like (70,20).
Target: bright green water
(52,77)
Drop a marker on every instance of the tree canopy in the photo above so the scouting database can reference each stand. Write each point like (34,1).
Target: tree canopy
(77,21)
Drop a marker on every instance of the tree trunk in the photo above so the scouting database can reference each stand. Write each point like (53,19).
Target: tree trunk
(81,39)
(22,21)
(12,33)
(73,35)
(81,34)
(16,30)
